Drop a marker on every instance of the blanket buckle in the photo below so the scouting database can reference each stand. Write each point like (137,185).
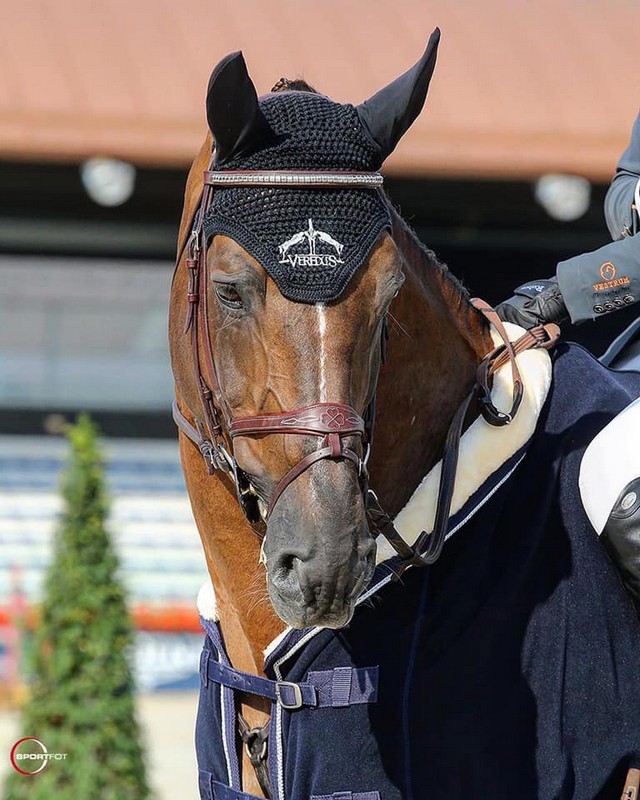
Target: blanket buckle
(286,702)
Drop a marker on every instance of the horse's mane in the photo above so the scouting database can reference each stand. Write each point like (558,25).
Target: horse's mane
(416,251)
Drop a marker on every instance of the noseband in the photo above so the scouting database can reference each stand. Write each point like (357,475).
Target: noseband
(332,422)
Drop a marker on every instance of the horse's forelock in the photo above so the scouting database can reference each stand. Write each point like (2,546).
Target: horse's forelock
(293,85)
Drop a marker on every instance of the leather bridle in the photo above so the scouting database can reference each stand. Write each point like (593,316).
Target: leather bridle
(334,421)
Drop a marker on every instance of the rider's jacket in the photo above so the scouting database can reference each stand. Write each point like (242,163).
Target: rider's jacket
(607,279)
(602,281)
(508,669)
(592,285)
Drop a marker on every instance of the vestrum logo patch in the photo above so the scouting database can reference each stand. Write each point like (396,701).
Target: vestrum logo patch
(607,271)
(608,274)
(312,258)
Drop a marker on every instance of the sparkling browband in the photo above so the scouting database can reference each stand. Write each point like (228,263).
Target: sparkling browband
(362,180)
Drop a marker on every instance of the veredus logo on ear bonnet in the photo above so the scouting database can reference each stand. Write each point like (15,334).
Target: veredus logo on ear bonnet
(312,258)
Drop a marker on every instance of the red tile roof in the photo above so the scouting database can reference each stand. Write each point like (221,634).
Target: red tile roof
(521,87)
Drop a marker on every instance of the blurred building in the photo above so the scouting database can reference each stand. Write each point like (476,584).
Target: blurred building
(101,112)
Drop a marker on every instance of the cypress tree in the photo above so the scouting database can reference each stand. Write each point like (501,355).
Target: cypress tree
(82,701)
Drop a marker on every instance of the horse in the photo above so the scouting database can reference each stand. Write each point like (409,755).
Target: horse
(484,648)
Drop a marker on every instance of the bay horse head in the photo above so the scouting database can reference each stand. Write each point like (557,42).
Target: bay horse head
(292,267)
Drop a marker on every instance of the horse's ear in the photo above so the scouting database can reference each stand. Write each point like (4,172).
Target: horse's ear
(390,112)
(233,113)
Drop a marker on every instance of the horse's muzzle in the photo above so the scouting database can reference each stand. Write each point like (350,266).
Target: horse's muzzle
(318,582)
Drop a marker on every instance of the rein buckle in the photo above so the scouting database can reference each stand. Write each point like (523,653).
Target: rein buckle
(489,411)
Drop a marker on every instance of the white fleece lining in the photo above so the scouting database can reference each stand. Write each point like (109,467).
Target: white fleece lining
(483,447)
(610,462)
(206,602)
(483,450)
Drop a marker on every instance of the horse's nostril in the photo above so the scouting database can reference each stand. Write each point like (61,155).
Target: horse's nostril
(287,564)
(287,575)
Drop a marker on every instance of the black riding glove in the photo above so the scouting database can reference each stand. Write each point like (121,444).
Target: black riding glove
(534,304)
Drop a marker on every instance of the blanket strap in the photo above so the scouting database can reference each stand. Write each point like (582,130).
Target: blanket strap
(428,546)
(334,688)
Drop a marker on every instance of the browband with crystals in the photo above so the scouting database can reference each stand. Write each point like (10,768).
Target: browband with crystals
(302,179)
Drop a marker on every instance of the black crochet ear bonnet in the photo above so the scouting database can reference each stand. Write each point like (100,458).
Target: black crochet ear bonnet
(310,241)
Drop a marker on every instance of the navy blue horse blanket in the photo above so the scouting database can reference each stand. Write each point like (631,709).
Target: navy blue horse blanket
(509,669)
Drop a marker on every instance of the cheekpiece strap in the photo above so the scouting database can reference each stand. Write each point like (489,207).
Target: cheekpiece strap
(304,179)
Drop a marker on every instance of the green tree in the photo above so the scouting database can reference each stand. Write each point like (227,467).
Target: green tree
(82,701)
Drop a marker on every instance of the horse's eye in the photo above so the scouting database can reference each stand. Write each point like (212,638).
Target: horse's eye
(228,295)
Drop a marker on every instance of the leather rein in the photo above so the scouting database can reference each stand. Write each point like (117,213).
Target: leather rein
(215,427)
